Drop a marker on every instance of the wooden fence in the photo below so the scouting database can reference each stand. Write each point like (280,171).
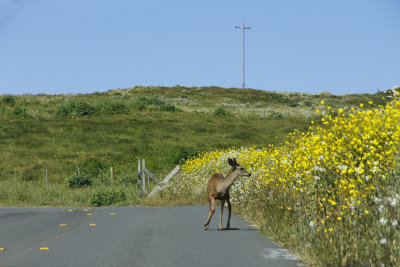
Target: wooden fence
(144,175)
(143,172)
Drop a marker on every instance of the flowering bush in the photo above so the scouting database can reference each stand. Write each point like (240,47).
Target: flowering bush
(334,176)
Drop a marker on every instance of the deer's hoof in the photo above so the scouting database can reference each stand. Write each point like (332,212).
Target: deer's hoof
(206,227)
(220,229)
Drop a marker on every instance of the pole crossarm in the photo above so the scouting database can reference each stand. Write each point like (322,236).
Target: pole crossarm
(243,28)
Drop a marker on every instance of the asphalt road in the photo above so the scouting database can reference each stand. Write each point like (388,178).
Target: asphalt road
(131,236)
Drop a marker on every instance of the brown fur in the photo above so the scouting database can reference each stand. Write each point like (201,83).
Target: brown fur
(218,188)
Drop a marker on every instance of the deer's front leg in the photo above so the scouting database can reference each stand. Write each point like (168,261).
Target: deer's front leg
(211,212)
(221,213)
(228,224)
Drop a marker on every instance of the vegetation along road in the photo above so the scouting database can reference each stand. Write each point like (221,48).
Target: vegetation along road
(324,177)
(130,236)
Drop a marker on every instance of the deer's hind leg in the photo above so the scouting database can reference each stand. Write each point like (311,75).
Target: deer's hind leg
(228,224)
(211,212)
(221,213)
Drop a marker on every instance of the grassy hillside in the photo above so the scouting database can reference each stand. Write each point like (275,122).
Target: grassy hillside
(164,125)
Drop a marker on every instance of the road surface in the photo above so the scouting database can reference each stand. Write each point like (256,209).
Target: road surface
(131,236)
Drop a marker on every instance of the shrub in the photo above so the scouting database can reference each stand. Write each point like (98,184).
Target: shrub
(143,102)
(128,179)
(307,104)
(21,111)
(276,98)
(63,110)
(103,178)
(154,103)
(180,154)
(8,100)
(166,107)
(94,167)
(82,108)
(75,109)
(107,197)
(140,104)
(112,108)
(79,180)
(220,112)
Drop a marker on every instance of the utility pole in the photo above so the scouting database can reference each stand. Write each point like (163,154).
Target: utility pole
(243,28)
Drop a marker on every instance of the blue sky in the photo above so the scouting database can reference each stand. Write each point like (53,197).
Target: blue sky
(84,46)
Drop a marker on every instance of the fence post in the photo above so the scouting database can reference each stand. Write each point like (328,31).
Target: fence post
(46,177)
(148,183)
(144,176)
(15,176)
(139,167)
(111,175)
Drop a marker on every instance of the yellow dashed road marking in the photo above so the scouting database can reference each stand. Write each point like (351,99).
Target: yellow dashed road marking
(34,243)
(63,225)
(1,249)
(112,213)
(92,224)
(89,214)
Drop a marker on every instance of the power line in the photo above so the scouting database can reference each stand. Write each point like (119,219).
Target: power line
(243,28)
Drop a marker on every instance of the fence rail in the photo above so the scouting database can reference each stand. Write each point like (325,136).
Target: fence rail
(142,174)
(161,184)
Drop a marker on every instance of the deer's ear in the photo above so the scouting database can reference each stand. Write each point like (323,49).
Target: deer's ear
(231,162)
(237,164)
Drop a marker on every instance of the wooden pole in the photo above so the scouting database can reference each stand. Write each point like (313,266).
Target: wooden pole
(144,176)
(148,183)
(243,54)
(15,176)
(138,167)
(243,28)
(111,175)
(46,177)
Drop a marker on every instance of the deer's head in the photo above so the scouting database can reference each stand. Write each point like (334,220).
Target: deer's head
(237,169)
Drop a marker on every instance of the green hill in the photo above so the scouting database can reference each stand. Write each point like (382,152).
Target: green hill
(164,125)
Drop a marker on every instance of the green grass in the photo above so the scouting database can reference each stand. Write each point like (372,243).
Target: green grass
(164,125)
(39,194)
(163,139)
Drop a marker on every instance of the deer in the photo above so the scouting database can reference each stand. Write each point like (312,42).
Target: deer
(218,188)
